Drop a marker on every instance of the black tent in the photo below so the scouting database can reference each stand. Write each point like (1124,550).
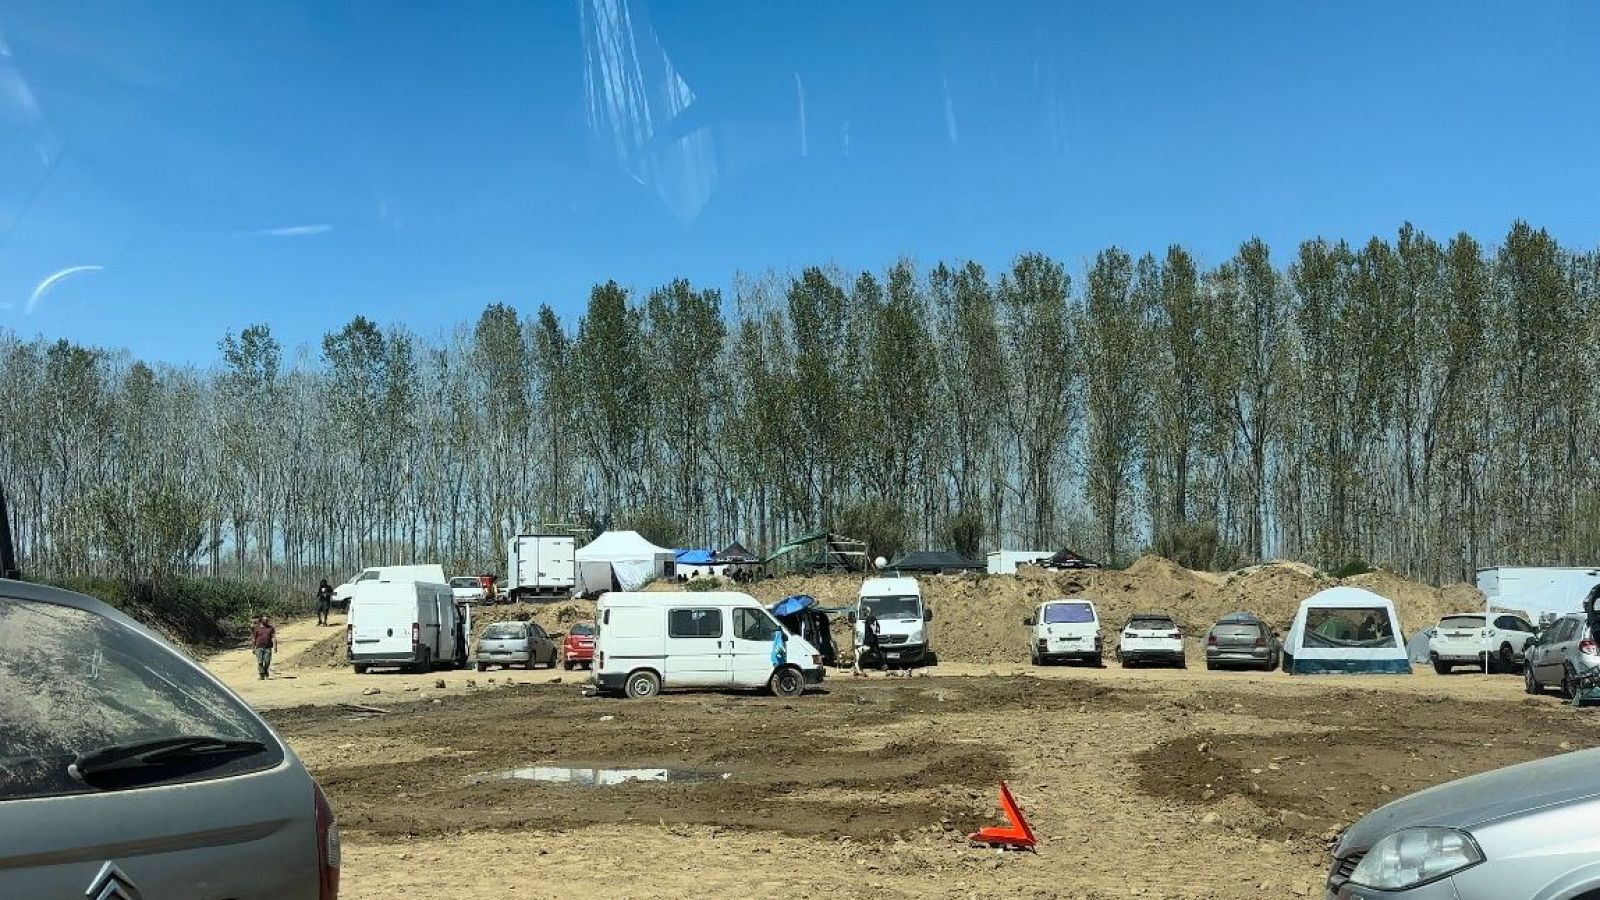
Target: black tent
(1066,559)
(935,562)
(735,554)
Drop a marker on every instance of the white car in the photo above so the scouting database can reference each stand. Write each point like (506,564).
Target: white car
(1467,639)
(467,589)
(1063,629)
(1151,637)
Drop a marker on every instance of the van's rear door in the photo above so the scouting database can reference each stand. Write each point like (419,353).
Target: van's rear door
(380,622)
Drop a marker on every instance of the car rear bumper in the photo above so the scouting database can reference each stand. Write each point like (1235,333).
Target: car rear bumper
(495,658)
(1152,655)
(390,658)
(1225,656)
(578,654)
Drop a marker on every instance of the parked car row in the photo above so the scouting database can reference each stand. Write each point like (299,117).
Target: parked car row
(1069,629)
(527,644)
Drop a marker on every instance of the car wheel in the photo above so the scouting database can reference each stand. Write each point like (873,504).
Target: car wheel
(566,664)
(787,682)
(1568,687)
(483,667)
(1210,666)
(1530,681)
(1508,658)
(361,669)
(1033,658)
(642,684)
(1099,661)
(1440,667)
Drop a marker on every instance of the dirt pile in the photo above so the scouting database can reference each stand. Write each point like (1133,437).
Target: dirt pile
(978,618)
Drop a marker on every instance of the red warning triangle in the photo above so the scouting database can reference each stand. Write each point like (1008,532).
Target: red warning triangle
(1017,835)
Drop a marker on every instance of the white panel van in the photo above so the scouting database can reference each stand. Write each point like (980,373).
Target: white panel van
(649,641)
(407,624)
(433,574)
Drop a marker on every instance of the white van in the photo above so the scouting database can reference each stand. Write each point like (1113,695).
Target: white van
(429,574)
(407,624)
(1068,628)
(905,631)
(648,641)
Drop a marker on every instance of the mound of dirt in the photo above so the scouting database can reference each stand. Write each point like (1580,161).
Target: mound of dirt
(556,616)
(330,651)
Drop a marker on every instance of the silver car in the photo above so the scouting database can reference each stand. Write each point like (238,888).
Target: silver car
(1242,640)
(516,644)
(1554,656)
(1524,832)
(128,771)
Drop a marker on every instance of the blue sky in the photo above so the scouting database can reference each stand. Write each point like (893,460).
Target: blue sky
(301,163)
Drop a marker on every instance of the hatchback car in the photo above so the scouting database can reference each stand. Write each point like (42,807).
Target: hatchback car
(515,644)
(1475,640)
(127,770)
(1525,832)
(1242,640)
(1151,637)
(577,649)
(1558,654)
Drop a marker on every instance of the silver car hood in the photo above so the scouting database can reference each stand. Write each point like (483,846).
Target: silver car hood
(1477,800)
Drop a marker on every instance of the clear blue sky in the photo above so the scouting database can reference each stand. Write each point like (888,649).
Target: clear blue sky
(300,163)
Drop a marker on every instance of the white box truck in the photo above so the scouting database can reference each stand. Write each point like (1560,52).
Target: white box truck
(540,565)
(647,641)
(414,625)
(428,573)
(905,629)
(1005,562)
(1537,589)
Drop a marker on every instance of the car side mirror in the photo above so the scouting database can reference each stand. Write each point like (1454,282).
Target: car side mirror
(927,615)
(1029,621)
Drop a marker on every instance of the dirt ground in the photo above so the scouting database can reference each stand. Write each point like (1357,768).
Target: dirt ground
(1155,783)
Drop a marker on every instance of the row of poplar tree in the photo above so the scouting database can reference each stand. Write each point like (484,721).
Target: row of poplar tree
(1423,405)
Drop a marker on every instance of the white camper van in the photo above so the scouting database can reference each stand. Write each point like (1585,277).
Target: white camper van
(905,630)
(407,624)
(649,641)
(540,564)
(429,573)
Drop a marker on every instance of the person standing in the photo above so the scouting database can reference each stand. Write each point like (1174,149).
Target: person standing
(263,640)
(869,639)
(324,602)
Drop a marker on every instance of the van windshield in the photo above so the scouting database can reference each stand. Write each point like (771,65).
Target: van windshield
(1068,613)
(906,607)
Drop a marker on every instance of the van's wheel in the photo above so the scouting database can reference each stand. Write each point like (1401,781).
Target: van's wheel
(642,684)
(483,667)
(1530,681)
(787,682)
(1099,661)
(361,669)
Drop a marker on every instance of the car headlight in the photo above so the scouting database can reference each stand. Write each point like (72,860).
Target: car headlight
(1414,856)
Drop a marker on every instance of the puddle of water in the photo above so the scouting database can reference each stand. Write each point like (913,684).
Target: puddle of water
(597,777)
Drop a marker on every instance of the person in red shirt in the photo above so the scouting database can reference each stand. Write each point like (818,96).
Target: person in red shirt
(264,640)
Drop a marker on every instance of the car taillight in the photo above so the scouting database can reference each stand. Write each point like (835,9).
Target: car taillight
(328,851)
(1175,634)
(416,633)
(1586,646)
(1211,640)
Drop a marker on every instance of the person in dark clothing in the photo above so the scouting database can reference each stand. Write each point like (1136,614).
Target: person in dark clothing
(869,638)
(324,601)
(263,640)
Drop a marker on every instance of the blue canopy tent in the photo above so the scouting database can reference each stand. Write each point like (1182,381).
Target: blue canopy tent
(801,614)
(696,557)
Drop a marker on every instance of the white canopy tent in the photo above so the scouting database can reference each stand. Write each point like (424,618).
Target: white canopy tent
(620,560)
(1346,629)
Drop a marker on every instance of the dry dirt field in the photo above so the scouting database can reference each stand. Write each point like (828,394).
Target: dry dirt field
(1154,783)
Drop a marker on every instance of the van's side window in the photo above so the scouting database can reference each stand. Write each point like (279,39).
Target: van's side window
(694,623)
(752,625)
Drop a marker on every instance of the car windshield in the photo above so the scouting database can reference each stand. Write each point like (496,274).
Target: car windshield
(1152,625)
(893,608)
(1460,623)
(501,631)
(72,681)
(1354,627)
(1068,613)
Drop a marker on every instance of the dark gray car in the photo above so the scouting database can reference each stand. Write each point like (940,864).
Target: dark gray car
(128,771)
(1242,640)
(1555,655)
(1523,832)
(516,644)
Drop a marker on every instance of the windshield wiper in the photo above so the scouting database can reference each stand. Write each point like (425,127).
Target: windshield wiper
(118,765)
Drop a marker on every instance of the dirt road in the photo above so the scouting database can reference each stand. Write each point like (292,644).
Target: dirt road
(1157,783)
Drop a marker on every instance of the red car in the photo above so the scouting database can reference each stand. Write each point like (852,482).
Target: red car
(577,649)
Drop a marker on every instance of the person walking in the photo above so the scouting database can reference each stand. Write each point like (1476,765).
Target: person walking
(263,640)
(324,602)
(869,640)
